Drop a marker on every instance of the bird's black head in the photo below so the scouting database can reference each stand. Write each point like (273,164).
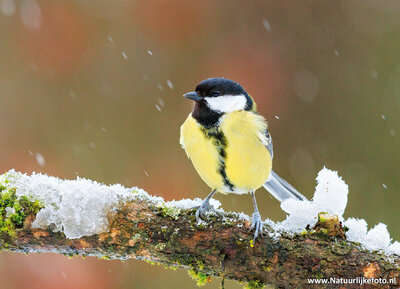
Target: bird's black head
(215,96)
(214,87)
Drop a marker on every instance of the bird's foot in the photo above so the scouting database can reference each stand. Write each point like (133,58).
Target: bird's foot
(257,225)
(201,211)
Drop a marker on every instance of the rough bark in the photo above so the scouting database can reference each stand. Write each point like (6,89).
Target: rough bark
(222,247)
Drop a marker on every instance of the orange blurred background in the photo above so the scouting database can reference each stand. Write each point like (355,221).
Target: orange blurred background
(94,89)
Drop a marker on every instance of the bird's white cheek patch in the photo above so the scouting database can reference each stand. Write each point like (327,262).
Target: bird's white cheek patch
(227,103)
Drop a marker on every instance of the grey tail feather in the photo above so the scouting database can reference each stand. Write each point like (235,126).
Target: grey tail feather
(281,189)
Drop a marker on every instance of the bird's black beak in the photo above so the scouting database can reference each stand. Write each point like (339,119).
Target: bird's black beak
(193,96)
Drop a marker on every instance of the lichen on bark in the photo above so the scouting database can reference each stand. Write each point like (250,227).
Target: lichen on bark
(222,246)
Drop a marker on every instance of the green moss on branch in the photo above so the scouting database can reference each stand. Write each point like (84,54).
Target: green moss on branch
(14,212)
(222,246)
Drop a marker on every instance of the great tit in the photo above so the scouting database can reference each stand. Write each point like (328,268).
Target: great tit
(230,146)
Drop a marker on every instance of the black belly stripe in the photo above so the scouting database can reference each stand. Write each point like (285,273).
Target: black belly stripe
(219,140)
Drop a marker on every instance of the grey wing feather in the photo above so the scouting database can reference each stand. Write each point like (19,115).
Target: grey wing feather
(268,143)
(281,189)
(275,185)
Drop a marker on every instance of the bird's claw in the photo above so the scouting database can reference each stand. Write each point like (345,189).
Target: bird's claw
(201,211)
(257,225)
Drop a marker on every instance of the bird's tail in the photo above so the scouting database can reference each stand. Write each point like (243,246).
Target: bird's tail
(281,189)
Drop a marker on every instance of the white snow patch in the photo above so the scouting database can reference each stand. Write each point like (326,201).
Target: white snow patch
(394,248)
(9,211)
(185,204)
(76,207)
(80,207)
(377,238)
(330,196)
(357,230)
(331,192)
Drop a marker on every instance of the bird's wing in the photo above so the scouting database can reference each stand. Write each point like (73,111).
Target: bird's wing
(275,185)
(266,139)
(281,189)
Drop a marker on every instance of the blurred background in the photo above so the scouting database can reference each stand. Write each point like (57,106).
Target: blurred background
(94,89)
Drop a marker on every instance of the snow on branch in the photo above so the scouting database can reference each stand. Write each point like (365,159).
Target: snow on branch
(39,213)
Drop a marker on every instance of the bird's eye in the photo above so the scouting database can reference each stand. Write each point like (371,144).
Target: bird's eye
(215,93)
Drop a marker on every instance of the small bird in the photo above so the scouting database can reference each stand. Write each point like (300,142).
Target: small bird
(230,146)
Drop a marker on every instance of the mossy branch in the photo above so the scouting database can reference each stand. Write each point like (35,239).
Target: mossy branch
(221,246)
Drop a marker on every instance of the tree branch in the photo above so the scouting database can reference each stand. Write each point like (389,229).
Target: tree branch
(221,246)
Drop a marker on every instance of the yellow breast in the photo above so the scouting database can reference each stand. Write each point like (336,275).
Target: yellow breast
(202,152)
(242,161)
(248,162)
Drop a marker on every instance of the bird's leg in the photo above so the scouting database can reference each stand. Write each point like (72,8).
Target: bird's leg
(256,224)
(204,207)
